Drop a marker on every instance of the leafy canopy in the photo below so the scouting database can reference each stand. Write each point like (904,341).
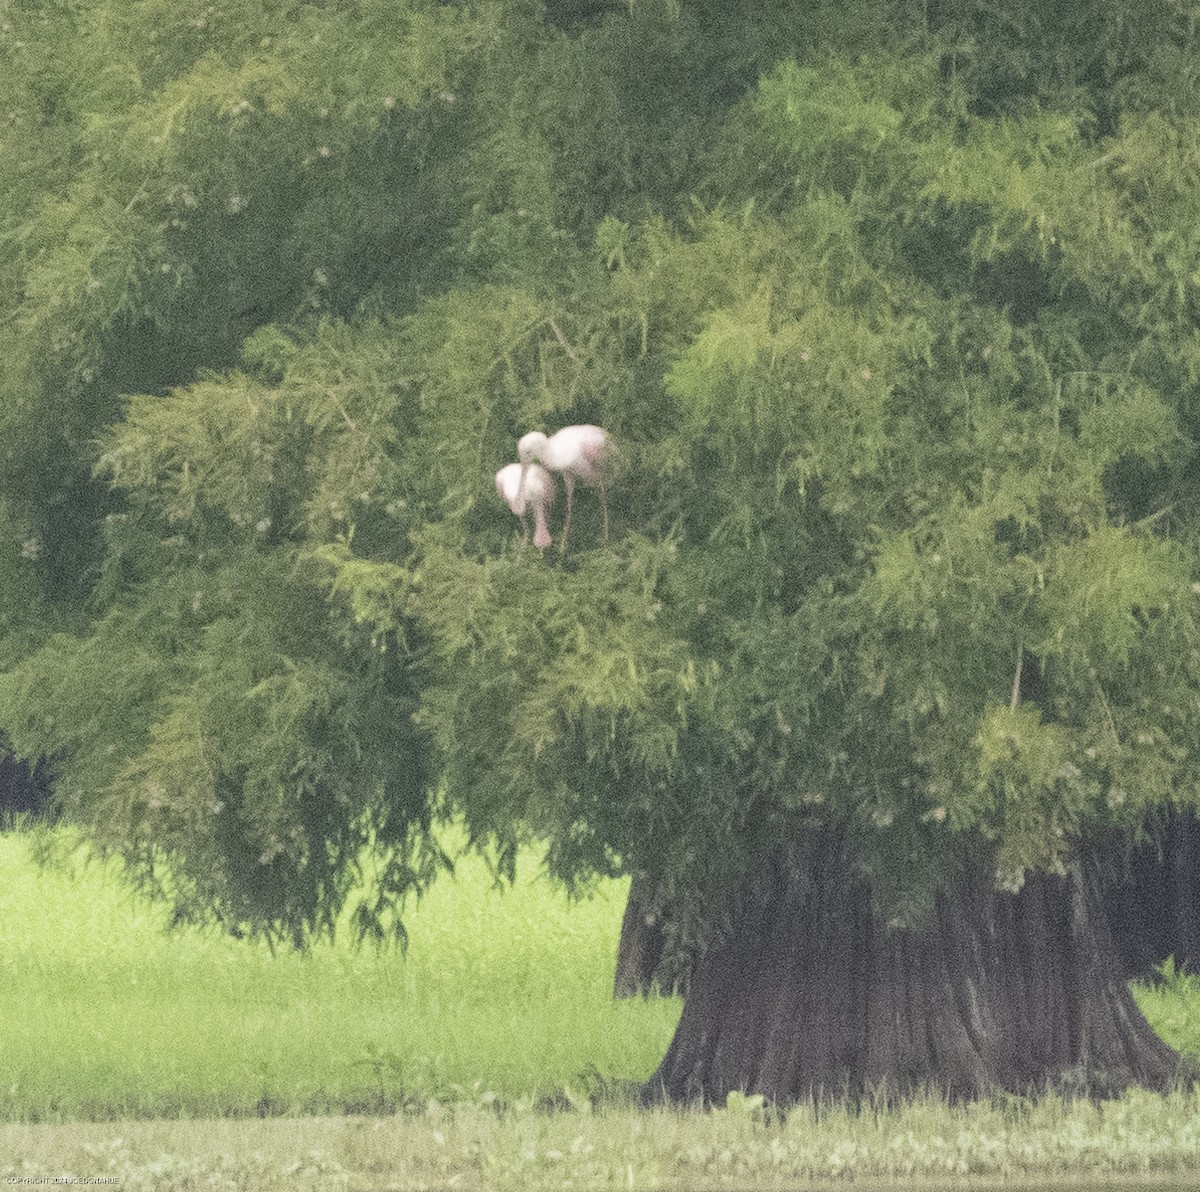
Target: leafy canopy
(892,317)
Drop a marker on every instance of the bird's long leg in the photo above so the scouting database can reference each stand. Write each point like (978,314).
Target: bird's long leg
(569,482)
(524,527)
(541,538)
(604,509)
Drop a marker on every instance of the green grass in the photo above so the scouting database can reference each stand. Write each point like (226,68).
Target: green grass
(102,1015)
(1140,1142)
(1172,1007)
(501,1009)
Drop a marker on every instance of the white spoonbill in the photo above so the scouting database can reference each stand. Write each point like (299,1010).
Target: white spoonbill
(521,487)
(583,453)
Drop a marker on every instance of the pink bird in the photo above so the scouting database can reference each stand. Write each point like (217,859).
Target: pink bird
(520,490)
(583,453)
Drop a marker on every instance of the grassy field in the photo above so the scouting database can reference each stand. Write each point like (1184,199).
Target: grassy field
(131,1055)
(1140,1142)
(102,1015)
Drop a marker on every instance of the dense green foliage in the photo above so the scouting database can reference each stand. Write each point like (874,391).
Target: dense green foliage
(891,309)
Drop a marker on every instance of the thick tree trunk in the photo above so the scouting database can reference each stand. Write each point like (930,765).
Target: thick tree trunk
(810,996)
(1154,905)
(651,956)
(641,942)
(24,790)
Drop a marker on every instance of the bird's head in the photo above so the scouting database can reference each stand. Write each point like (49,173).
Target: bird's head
(508,485)
(531,446)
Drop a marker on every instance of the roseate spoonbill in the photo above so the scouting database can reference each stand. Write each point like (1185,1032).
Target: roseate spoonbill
(521,487)
(583,453)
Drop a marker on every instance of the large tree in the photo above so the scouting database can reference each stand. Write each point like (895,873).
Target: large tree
(921,635)
(892,316)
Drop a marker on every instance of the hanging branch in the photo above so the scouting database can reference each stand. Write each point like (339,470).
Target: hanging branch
(562,339)
(1016,684)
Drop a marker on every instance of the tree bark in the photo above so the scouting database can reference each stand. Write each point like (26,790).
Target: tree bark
(811,996)
(24,789)
(652,958)
(1154,904)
